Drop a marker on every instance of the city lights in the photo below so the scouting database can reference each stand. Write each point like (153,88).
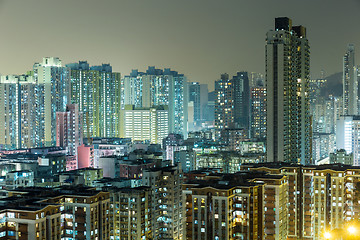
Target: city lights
(327,235)
(179,120)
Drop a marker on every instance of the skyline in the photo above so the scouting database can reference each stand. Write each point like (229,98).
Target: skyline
(86,153)
(192,40)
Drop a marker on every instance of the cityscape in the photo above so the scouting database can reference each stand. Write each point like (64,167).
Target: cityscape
(150,148)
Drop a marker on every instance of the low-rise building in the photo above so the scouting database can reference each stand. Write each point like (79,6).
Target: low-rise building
(85,176)
(15,179)
(229,161)
(340,156)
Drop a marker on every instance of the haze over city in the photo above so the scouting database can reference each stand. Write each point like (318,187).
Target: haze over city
(179,120)
(198,38)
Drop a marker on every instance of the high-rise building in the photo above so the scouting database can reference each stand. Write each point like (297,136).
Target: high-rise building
(287,86)
(17,112)
(135,90)
(52,93)
(194,96)
(315,86)
(146,124)
(322,145)
(186,158)
(319,198)
(97,91)
(198,94)
(31,102)
(232,104)
(236,206)
(258,112)
(232,137)
(241,94)
(224,103)
(167,206)
(256,79)
(130,213)
(204,99)
(325,112)
(158,87)
(69,129)
(350,82)
(348,136)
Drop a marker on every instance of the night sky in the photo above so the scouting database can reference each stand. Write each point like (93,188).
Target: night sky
(200,38)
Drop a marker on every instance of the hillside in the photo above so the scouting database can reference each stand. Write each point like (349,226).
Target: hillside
(333,85)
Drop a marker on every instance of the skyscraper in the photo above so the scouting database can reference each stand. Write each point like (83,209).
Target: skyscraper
(29,104)
(224,103)
(258,112)
(17,113)
(350,83)
(157,87)
(194,96)
(232,103)
(52,93)
(241,88)
(135,90)
(97,91)
(287,85)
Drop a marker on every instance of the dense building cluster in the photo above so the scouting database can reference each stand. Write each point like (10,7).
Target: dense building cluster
(86,153)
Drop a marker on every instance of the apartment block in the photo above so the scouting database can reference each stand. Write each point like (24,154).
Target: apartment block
(167,212)
(146,124)
(55,213)
(130,213)
(319,198)
(245,205)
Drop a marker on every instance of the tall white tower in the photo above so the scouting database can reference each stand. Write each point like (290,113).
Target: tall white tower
(350,85)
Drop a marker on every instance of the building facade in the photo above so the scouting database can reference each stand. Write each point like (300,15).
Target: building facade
(258,112)
(224,102)
(347,136)
(130,213)
(350,82)
(52,93)
(146,124)
(167,213)
(157,87)
(56,213)
(17,112)
(236,206)
(69,129)
(319,198)
(97,90)
(287,85)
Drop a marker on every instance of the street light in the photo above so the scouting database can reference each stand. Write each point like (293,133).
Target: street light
(351,230)
(327,235)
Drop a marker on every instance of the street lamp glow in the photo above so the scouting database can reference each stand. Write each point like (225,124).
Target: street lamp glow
(351,230)
(327,235)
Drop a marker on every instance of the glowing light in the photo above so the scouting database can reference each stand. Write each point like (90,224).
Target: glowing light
(351,230)
(327,235)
